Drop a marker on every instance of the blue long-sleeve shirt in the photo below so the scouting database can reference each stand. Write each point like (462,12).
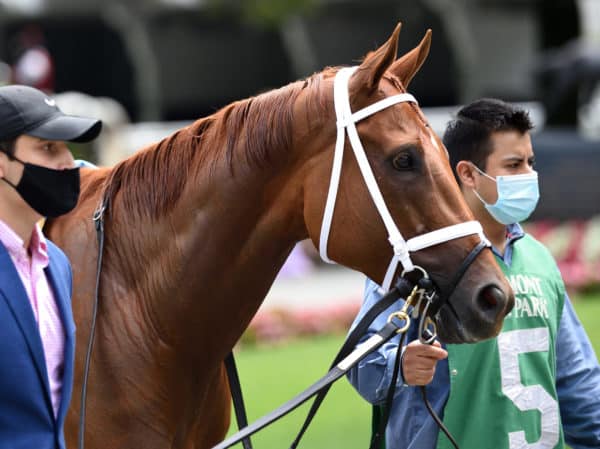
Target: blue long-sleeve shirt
(411,427)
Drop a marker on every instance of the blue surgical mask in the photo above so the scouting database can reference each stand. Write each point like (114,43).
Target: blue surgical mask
(517,197)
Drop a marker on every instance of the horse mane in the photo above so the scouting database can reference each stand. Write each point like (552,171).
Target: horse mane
(152,180)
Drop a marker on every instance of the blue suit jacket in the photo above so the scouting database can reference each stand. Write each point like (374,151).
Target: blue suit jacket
(26,416)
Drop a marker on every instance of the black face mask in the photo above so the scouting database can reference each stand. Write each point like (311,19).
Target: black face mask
(49,192)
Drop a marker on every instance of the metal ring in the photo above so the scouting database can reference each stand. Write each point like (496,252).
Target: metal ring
(421,269)
(402,316)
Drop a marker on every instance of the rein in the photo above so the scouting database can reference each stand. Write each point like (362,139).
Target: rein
(98,219)
(427,335)
(347,357)
(235,388)
(350,354)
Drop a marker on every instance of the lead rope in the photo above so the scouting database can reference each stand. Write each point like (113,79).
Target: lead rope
(427,337)
(98,219)
(436,418)
(427,293)
(379,434)
(348,356)
(235,388)
(402,288)
(377,438)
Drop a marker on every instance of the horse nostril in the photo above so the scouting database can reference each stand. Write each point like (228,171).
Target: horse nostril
(490,297)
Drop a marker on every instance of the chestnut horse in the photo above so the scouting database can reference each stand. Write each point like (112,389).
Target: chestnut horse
(200,223)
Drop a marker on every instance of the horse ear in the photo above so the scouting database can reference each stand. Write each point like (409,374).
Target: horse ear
(408,65)
(375,64)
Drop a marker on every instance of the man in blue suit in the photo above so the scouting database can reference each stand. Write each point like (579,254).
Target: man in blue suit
(37,332)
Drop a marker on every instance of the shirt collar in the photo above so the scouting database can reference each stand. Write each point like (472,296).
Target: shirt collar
(38,246)
(514,232)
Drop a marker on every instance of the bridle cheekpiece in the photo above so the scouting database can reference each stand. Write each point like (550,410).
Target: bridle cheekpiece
(346,124)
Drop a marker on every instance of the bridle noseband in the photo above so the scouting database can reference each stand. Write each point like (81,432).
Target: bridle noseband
(346,123)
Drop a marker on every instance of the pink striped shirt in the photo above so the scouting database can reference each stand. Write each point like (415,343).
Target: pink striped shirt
(41,298)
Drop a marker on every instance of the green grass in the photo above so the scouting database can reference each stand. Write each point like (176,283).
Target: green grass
(272,375)
(588,311)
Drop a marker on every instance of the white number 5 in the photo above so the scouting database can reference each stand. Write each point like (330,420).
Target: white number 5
(532,397)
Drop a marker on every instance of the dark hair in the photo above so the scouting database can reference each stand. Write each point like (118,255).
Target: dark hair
(467,137)
(8,146)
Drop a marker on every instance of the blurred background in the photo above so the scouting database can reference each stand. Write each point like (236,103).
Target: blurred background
(149,67)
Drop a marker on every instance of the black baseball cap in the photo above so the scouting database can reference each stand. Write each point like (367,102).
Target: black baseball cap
(25,110)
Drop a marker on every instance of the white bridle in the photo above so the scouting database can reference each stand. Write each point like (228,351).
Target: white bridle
(346,121)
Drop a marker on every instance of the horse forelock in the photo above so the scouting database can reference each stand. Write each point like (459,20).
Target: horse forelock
(245,132)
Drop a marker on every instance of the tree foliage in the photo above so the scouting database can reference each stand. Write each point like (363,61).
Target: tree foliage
(263,12)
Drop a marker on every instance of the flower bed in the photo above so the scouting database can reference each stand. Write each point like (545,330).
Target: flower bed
(575,245)
(280,325)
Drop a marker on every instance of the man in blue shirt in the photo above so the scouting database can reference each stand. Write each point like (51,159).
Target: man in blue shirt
(538,383)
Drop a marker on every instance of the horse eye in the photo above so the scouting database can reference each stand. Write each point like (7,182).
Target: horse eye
(403,161)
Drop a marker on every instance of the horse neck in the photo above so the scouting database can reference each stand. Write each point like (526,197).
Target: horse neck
(212,259)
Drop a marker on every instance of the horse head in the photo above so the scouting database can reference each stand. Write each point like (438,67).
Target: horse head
(408,207)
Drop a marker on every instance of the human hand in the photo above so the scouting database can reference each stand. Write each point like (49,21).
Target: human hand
(419,360)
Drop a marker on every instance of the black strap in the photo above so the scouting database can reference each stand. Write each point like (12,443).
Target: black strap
(381,413)
(440,300)
(376,416)
(236,396)
(372,344)
(98,219)
(378,436)
(436,418)
(402,289)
